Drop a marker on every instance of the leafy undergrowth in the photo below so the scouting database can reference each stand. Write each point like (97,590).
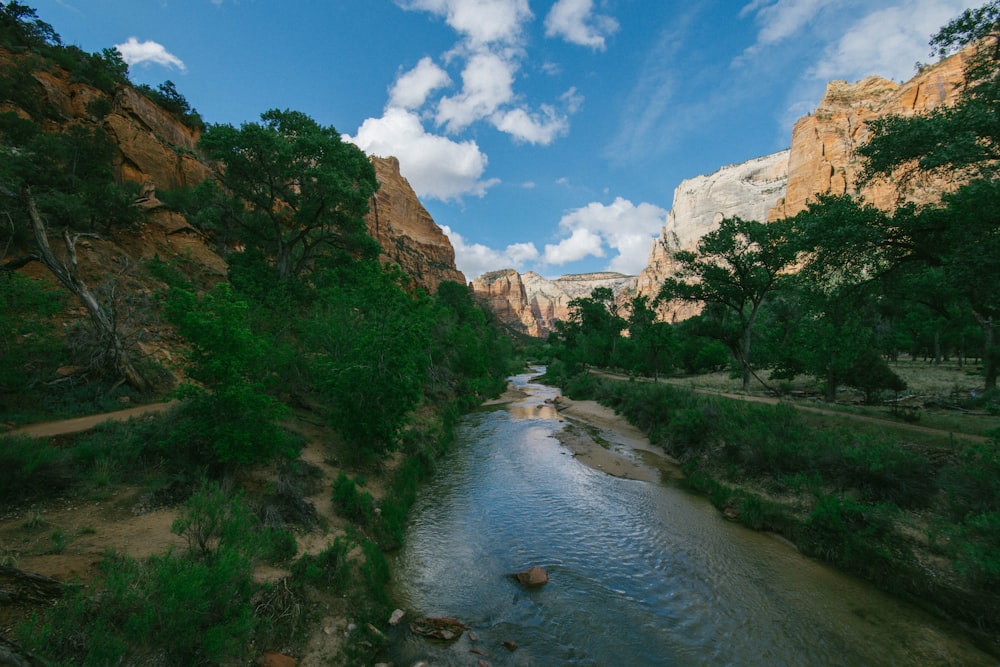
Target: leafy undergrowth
(921,520)
(263,558)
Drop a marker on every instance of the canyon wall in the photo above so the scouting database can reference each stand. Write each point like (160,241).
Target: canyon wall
(532,304)
(156,150)
(407,232)
(748,190)
(824,145)
(822,159)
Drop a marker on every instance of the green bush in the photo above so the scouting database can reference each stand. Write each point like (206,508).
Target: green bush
(357,506)
(168,609)
(329,568)
(31,468)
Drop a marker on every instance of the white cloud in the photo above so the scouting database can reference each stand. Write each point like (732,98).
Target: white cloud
(540,128)
(410,91)
(784,18)
(475,259)
(581,243)
(435,166)
(135,52)
(487,83)
(574,21)
(887,42)
(481,22)
(622,226)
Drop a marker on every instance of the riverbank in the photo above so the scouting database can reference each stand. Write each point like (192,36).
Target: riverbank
(917,520)
(605,441)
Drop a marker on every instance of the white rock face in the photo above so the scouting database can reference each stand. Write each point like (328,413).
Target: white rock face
(549,299)
(747,190)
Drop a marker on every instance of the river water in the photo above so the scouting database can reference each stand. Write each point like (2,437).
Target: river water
(639,573)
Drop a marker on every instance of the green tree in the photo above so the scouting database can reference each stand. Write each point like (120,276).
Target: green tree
(370,338)
(593,330)
(231,417)
(653,342)
(735,267)
(303,190)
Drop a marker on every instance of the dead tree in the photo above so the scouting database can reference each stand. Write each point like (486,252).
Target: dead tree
(66,272)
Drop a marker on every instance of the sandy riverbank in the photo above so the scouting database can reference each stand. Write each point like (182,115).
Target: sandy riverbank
(605,441)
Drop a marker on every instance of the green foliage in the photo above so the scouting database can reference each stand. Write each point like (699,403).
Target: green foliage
(329,568)
(29,342)
(214,519)
(305,191)
(370,337)
(194,608)
(735,267)
(357,506)
(29,469)
(231,418)
(21,29)
(167,97)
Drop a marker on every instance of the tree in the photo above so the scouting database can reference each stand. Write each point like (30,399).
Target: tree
(71,170)
(962,140)
(735,266)
(960,235)
(369,364)
(653,341)
(594,327)
(301,190)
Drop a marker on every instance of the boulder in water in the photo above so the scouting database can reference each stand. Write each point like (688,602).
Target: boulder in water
(532,577)
(445,628)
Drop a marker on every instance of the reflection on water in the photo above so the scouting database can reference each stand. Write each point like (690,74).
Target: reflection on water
(639,573)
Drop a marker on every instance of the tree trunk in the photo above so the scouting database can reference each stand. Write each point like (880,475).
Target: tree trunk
(67,274)
(990,351)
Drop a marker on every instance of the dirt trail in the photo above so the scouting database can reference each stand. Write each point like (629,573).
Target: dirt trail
(81,424)
(770,400)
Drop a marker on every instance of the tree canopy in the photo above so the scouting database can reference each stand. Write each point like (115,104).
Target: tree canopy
(302,191)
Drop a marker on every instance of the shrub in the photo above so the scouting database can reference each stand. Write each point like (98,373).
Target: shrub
(329,567)
(357,506)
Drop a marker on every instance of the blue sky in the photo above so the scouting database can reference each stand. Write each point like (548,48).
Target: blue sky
(541,135)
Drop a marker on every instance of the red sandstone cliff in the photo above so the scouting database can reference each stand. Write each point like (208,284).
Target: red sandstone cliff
(407,233)
(158,151)
(823,158)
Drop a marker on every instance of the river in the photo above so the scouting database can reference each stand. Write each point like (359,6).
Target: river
(640,573)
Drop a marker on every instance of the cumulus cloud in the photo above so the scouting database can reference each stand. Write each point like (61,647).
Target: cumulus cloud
(135,52)
(541,128)
(435,166)
(475,259)
(487,83)
(575,21)
(410,91)
(480,22)
(621,226)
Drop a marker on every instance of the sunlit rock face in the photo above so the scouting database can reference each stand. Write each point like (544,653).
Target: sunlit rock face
(747,190)
(407,232)
(532,304)
(824,158)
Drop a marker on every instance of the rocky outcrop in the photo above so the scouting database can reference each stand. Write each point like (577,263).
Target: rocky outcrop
(405,230)
(824,158)
(532,304)
(747,190)
(154,147)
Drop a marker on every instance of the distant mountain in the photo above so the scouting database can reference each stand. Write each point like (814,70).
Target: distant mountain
(822,159)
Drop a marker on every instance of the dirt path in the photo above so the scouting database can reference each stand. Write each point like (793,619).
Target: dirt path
(770,400)
(81,424)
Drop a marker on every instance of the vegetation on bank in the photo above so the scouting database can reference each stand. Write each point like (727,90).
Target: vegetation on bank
(308,328)
(922,521)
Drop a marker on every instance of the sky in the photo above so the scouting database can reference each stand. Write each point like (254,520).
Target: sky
(543,136)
